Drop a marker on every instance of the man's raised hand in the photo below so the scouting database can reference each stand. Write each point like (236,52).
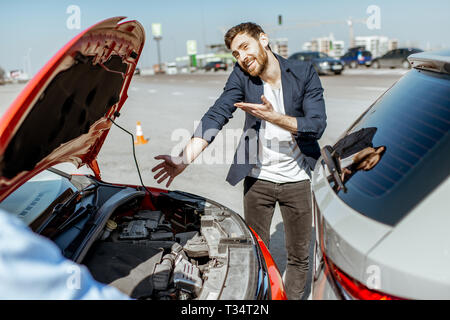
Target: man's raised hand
(169,168)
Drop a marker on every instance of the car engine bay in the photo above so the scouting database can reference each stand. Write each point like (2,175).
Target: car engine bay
(188,248)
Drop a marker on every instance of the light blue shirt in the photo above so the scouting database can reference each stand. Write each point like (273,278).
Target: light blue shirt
(32,267)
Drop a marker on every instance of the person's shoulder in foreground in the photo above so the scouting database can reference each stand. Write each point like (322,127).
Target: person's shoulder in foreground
(32,267)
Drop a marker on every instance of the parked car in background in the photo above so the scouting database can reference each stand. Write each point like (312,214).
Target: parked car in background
(397,58)
(19,76)
(323,63)
(380,194)
(216,65)
(150,243)
(357,56)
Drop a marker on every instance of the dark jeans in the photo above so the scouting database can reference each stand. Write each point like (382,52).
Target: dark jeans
(294,199)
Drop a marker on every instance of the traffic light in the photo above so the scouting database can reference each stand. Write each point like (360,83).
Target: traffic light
(280,20)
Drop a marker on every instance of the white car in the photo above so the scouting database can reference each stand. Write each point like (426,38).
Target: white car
(380,194)
(171,68)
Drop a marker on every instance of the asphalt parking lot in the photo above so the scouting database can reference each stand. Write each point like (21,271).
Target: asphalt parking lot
(169,106)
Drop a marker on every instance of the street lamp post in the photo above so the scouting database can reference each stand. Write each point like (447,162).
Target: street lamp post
(157,36)
(157,39)
(352,37)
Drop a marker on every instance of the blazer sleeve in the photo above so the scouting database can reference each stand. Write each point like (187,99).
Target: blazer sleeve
(222,111)
(312,125)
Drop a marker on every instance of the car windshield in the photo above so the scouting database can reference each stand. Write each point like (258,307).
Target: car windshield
(310,55)
(36,195)
(398,151)
(414,51)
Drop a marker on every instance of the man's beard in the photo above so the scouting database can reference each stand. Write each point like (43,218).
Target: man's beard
(262,61)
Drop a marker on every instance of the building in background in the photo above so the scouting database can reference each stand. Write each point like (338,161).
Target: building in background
(337,49)
(377,45)
(392,44)
(280,47)
(217,48)
(330,46)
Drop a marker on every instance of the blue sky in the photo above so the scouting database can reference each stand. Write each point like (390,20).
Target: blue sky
(38,28)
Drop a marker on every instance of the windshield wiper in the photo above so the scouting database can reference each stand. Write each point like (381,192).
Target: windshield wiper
(333,166)
(74,217)
(66,212)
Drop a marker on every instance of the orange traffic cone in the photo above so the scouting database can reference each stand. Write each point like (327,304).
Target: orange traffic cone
(140,135)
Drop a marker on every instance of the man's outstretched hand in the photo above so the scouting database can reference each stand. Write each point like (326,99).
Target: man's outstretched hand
(266,112)
(169,168)
(173,166)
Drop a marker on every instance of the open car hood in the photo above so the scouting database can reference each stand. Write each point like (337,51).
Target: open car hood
(62,115)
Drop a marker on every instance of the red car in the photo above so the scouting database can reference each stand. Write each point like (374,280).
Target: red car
(148,242)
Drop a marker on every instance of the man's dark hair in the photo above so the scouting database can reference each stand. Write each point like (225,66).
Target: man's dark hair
(249,28)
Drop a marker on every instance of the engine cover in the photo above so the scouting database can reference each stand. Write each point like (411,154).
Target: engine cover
(187,276)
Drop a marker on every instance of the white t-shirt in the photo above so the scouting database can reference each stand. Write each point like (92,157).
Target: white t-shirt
(279,159)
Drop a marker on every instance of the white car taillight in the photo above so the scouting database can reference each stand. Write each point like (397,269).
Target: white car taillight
(348,287)
(352,287)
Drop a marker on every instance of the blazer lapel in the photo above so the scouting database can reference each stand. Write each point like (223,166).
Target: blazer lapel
(257,90)
(254,96)
(287,84)
(288,92)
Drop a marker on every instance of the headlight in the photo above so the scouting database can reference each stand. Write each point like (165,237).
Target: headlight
(324,64)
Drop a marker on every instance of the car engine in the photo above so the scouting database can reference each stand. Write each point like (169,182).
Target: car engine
(180,252)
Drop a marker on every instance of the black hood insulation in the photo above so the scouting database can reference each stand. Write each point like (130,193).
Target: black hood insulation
(74,100)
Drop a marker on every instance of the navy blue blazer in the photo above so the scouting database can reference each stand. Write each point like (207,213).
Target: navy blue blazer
(303,99)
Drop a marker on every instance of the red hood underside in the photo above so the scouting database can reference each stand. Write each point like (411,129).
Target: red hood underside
(63,113)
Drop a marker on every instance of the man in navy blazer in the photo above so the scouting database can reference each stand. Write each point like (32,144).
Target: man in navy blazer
(285,117)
